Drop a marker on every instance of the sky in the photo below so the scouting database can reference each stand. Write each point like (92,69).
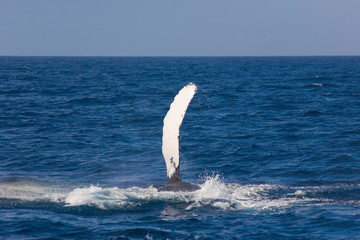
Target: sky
(179,27)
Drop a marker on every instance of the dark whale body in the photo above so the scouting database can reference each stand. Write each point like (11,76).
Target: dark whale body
(175,184)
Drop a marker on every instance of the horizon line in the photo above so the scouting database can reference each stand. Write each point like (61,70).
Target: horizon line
(180,56)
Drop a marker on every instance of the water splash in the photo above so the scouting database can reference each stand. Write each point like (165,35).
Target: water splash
(214,193)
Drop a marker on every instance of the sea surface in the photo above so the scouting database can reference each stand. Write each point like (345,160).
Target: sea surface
(273,143)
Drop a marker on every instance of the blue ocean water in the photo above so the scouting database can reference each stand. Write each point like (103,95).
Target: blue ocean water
(273,142)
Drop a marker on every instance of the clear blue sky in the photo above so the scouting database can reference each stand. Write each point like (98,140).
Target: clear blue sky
(179,28)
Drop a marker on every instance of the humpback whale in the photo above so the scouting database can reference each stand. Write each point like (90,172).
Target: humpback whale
(170,140)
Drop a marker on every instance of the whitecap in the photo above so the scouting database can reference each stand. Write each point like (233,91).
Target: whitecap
(213,193)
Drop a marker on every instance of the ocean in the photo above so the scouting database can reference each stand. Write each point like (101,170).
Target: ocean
(272,142)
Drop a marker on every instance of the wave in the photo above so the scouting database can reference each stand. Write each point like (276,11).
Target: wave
(213,193)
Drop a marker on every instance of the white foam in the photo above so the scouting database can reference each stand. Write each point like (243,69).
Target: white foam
(300,193)
(233,196)
(106,198)
(317,84)
(30,191)
(212,193)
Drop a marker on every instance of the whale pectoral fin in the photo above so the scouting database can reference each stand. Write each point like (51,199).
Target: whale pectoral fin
(171,132)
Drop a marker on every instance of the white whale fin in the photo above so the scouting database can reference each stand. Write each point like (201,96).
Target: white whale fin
(171,131)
